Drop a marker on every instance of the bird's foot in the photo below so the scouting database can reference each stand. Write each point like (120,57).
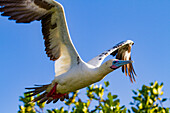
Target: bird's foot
(55,96)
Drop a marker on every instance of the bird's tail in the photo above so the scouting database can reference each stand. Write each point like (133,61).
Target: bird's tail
(38,89)
(44,95)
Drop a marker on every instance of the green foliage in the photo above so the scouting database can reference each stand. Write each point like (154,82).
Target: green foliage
(146,100)
(28,107)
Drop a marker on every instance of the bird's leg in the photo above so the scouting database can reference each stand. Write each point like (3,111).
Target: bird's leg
(52,91)
(56,95)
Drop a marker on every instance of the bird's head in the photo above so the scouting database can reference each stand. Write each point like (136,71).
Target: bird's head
(118,63)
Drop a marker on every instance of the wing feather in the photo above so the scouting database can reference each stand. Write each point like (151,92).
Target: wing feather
(122,51)
(58,44)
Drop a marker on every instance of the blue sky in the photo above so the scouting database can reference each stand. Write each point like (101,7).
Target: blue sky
(95,26)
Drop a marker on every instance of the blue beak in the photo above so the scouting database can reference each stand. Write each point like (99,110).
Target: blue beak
(119,63)
(123,62)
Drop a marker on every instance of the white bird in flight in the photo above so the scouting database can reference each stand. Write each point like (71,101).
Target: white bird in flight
(71,72)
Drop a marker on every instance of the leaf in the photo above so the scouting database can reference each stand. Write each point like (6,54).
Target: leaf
(116,102)
(140,106)
(49,111)
(129,111)
(167,110)
(110,97)
(122,107)
(56,111)
(88,102)
(134,92)
(131,103)
(136,98)
(151,83)
(106,83)
(134,109)
(114,96)
(161,93)
(164,99)
(155,91)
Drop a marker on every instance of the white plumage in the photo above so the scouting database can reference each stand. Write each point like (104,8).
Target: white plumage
(71,72)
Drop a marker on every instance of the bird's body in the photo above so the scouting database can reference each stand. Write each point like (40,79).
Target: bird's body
(80,76)
(71,72)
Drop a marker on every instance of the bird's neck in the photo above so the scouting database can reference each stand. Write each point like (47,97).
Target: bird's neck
(100,72)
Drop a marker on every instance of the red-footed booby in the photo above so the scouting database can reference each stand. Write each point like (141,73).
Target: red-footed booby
(71,72)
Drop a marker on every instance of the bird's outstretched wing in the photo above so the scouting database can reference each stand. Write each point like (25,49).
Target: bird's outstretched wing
(58,44)
(122,51)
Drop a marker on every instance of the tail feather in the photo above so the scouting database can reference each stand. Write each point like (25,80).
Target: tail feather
(37,90)
(44,99)
(49,100)
(40,86)
(40,97)
(55,100)
(45,95)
